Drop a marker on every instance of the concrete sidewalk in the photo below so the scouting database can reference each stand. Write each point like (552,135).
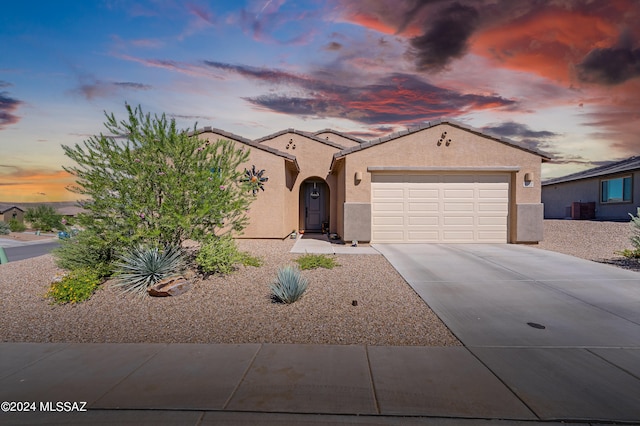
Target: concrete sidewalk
(320,384)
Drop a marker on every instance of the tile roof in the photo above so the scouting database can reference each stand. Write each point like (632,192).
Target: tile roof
(626,165)
(301,133)
(335,132)
(254,144)
(5,207)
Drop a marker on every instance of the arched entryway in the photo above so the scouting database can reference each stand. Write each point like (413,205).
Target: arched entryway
(314,205)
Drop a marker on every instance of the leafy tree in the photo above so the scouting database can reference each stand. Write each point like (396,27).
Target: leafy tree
(44,218)
(148,182)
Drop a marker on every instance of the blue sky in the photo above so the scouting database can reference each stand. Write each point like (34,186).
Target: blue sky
(560,76)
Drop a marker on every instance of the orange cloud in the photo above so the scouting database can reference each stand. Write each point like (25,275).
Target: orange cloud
(545,43)
(25,186)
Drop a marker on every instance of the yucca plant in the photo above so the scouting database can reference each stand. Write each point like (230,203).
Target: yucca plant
(142,267)
(289,285)
(4,228)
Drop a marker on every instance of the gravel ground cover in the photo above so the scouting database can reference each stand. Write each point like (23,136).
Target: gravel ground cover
(232,309)
(237,308)
(592,240)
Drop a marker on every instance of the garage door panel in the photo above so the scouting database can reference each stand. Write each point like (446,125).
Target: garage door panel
(388,220)
(388,207)
(389,193)
(424,236)
(493,193)
(457,235)
(424,193)
(423,207)
(458,193)
(440,208)
(458,220)
(493,207)
(423,220)
(458,207)
(492,220)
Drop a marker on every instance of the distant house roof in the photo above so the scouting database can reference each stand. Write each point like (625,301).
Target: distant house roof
(430,124)
(301,133)
(254,144)
(7,207)
(335,132)
(627,165)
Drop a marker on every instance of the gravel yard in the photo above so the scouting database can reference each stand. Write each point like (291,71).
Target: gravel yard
(590,240)
(231,309)
(237,308)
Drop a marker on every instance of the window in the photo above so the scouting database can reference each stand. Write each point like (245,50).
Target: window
(616,190)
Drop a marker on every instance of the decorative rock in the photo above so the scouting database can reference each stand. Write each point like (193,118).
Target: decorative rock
(173,286)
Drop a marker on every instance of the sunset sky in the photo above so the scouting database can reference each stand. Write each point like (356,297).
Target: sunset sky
(562,76)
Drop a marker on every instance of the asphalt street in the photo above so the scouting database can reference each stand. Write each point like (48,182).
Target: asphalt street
(28,251)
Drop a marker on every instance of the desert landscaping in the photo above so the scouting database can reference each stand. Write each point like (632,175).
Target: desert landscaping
(237,308)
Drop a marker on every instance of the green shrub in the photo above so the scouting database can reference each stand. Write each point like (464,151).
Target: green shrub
(16,226)
(76,286)
(313,261)
(289,285)
(142,267)
(630,254)
(44,218)
(86,250)
(218,255)
(248,260)
(4,228)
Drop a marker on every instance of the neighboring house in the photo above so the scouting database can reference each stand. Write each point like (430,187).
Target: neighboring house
(441,182)
(8,212)
(613,191)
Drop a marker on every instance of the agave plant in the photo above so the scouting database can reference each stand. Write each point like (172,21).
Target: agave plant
(142,267)
(289,285)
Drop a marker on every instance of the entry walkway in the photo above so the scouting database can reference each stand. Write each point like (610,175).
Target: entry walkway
(321,244)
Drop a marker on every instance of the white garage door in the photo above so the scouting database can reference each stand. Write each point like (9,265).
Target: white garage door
(444,208)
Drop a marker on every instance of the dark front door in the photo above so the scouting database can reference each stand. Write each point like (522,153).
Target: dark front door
(314,206)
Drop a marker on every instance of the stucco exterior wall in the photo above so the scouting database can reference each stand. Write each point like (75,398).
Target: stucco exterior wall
(314,159)
(267,218)
(557,198)
(465,150)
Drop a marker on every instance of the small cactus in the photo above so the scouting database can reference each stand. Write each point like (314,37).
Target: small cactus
(289,285)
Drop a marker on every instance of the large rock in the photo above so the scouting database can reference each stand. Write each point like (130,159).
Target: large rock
(173,286)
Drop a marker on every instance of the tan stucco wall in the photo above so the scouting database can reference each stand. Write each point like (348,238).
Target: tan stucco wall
(466,149)
(332,137)
(314,159)
(267,217)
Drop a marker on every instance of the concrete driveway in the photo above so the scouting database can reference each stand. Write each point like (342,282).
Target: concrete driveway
(488,294)
(562,333)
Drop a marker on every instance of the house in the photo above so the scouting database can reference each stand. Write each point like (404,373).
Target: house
(609,192)
(440,182)
(8,212)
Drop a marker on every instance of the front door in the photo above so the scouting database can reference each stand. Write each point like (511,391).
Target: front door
(314,206)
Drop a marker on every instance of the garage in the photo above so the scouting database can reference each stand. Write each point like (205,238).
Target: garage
(439,208)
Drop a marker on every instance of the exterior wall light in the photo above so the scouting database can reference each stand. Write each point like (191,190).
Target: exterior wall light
(358,176)
(528,180)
